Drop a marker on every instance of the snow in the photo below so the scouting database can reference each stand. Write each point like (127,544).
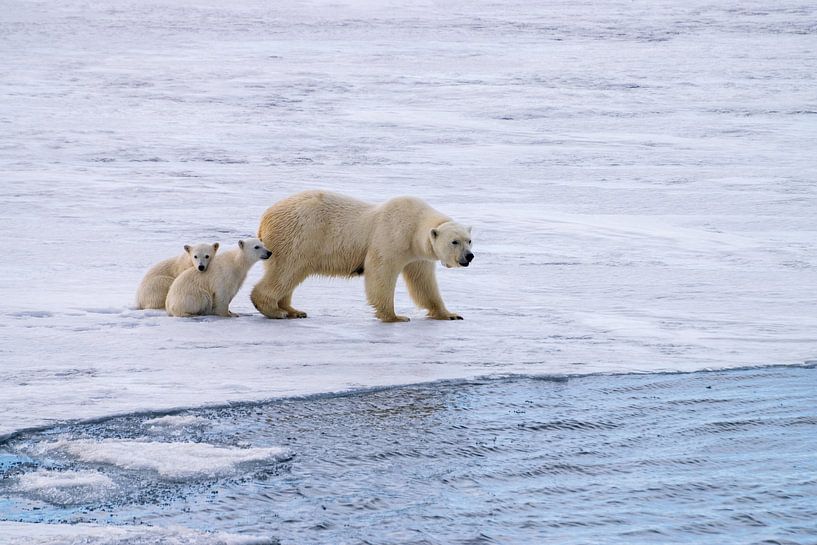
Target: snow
(66,487)
(177,461)
(639,176)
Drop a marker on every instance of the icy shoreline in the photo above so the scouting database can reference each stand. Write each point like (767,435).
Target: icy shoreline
(170,413)
(567,459)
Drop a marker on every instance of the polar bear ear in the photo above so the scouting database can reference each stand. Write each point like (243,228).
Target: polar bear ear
(241,244)
(215,246)
(187,248)
(469,229)
(434,233)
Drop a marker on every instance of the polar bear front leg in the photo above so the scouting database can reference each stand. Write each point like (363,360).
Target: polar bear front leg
(380,281)
(222,308)
(422,286)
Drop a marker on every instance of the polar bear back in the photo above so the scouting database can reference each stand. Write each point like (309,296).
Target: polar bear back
(323,232)
(172,266)
(330,234)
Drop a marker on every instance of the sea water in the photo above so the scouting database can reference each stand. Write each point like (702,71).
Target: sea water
(708,457)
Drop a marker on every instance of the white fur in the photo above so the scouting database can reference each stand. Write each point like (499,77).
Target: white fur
(211,292)
(318,232)
(153,289)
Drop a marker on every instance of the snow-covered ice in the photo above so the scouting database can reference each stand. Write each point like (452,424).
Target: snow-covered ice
(66,487)
(640,178)
(174,461)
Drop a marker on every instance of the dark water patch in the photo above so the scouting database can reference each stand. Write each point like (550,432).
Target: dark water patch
(507,460)
(574,425)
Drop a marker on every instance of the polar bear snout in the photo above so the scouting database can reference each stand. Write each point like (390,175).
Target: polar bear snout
(267,255)
(201,255)
(466,259)
(201,262)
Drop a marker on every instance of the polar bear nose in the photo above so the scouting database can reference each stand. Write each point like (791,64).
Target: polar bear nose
(266,255)
(201,267)
(469,256)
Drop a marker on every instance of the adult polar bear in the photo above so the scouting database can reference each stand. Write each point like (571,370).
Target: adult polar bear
(318,232)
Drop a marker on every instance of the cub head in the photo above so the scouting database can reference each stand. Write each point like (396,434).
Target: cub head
(201,254)
(452,244)
(254,249)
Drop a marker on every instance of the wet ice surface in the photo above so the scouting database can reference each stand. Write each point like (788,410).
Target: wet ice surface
(640,178)
(676,458)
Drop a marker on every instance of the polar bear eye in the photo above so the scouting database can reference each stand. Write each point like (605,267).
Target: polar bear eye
(469,242)
(257,247)
(207,257)
(455,242)
(195,257)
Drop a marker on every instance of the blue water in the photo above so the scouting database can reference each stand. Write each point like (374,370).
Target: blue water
(717,457)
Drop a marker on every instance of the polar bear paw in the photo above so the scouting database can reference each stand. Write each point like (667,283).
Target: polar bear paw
(392,318)
(276,314)
(444,316)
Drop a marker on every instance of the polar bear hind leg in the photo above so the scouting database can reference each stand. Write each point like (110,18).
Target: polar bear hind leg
(272,296)
(285,304)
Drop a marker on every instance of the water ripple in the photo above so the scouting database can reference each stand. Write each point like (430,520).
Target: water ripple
(508,460)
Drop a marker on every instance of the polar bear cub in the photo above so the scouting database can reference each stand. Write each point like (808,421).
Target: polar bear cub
(210,292)
(153,289)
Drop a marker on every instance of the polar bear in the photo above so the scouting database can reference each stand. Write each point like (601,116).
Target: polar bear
(153,289)
(318,232)
(210,292)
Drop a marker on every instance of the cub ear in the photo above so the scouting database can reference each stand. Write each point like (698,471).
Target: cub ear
(434,233)
(469,229)
(215,246)
(187,248)
(241,244)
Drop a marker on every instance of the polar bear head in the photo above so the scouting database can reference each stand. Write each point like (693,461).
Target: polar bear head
(201,254)
(254,249)
(452,244)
